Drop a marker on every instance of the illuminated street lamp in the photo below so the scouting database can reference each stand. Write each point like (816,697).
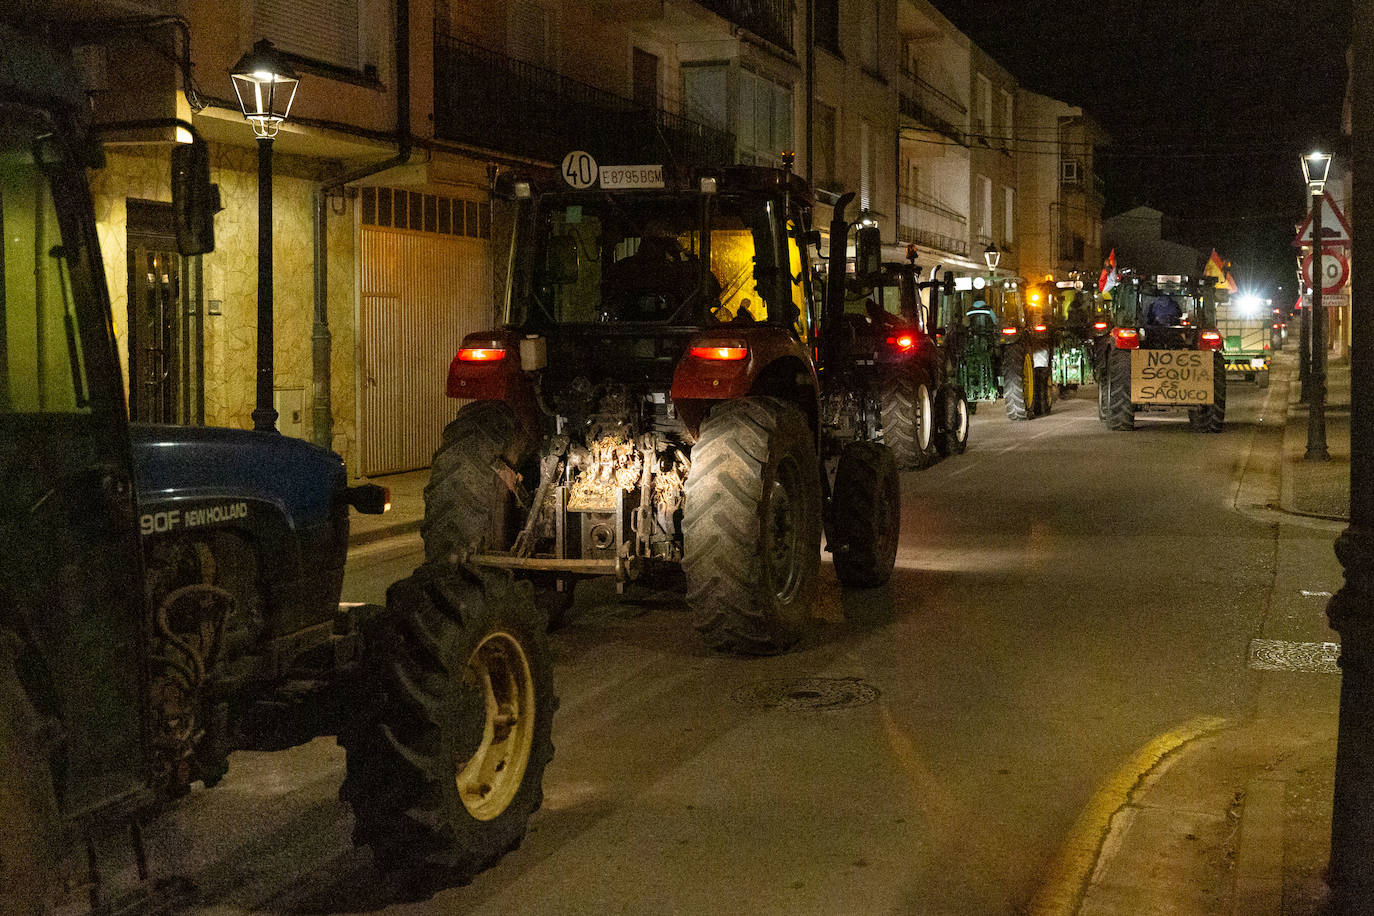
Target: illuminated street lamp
(1315,168)
(266,86)
(992,256)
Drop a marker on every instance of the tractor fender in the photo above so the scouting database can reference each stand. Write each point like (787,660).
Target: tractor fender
(776,363)
(495,379)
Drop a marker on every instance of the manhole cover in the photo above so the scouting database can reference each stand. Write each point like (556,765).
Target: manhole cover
(1278,655)
(807,693)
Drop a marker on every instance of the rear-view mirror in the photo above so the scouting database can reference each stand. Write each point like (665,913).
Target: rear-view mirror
(868,255)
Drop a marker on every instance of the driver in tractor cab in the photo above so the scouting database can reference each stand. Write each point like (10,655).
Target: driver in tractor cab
(1165,311)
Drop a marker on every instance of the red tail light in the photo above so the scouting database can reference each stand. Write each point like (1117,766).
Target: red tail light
(721,353)
(904,342)
(1099,325)
(1209,340)
(1008,332)
(1040,329)
(1126,338)
(481,354)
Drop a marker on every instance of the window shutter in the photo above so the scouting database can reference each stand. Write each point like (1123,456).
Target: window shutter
(322,30)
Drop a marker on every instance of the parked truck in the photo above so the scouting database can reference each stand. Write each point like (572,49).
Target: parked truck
(664,394)
(168,595)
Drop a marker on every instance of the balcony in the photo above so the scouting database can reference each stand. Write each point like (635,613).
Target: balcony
(771,20)
(486,99)
(923,220)
(929,107)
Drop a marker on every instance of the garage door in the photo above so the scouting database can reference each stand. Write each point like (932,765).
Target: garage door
(426,282)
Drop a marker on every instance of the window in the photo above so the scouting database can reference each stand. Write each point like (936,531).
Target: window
(322,30)
(645,78)
(1008,216)
(868,35)
(425,212)
(982,106)
(529,36)
(827,30)
(823,146)
(42,364)
(704,91)
(1008,130)
(765,120)
(984,210)
(866,166)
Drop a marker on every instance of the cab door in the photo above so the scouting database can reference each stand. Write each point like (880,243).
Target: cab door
(70,562)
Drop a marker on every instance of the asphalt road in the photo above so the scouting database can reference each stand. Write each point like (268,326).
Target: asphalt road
(1063,594)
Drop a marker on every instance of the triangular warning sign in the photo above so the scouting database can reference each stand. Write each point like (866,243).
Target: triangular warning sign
(1335,229)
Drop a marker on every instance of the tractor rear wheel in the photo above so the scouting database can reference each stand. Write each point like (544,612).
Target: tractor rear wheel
(751,526)
(464,493)
(954,411)
(1018,382)
(866,513)
(1212,418)
(1120,410)
(445,762)
(908,413)
(30,824)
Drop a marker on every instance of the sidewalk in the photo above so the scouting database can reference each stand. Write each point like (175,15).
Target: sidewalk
(407,508)
(1238,821)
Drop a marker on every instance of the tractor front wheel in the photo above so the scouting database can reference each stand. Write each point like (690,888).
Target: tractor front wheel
(954,411)
(445,762)
(909,427)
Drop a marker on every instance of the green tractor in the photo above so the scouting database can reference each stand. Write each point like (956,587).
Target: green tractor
(967,326)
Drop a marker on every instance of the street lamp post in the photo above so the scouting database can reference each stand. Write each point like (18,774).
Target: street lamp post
(992,256)
(1351,610)
(1315,168)
(265,85)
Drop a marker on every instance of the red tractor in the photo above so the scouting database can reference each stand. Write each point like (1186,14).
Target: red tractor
(653,403)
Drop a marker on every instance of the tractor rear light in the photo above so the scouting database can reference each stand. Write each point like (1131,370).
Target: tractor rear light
(903,342)
(1099,325)
(1126,338)
(1209,340)
(1040,329)
(482,354)
(1009,332)
(727,352)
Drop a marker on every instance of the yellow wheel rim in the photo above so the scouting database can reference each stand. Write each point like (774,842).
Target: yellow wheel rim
(488,780)
(1028,379)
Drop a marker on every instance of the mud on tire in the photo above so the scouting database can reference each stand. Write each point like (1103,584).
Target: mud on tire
(464,494)
(446,761)
(866,514)
(752,526)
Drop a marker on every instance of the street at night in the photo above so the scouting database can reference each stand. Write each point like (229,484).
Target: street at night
(1064,595)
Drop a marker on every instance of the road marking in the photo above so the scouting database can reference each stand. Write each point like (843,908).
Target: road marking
(1067,876)
(1280,655)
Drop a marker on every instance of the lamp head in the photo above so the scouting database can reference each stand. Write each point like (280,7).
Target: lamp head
(1315,169)
(266,85)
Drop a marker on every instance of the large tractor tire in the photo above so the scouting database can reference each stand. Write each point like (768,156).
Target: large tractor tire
(1018,382)
(909,420)
(30,824)
(751,526)
(1120,410)
(445,762)
(954,413)
(1212,418)
(464,494)
(866,514)
(1043,388)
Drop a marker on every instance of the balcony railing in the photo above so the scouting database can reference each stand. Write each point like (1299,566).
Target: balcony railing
(768,19)
(926,221)
(490,100)
(922,102)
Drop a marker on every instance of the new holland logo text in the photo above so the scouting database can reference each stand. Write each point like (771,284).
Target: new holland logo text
(172,519)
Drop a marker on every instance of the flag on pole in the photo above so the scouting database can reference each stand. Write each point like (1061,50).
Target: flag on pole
(1107,279)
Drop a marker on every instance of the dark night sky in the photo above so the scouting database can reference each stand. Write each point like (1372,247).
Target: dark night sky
(1209,104)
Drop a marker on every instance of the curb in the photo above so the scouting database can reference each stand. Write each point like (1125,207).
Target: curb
(359,538)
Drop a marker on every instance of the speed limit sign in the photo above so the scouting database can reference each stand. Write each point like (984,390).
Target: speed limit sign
(579,169)
(1335,270)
